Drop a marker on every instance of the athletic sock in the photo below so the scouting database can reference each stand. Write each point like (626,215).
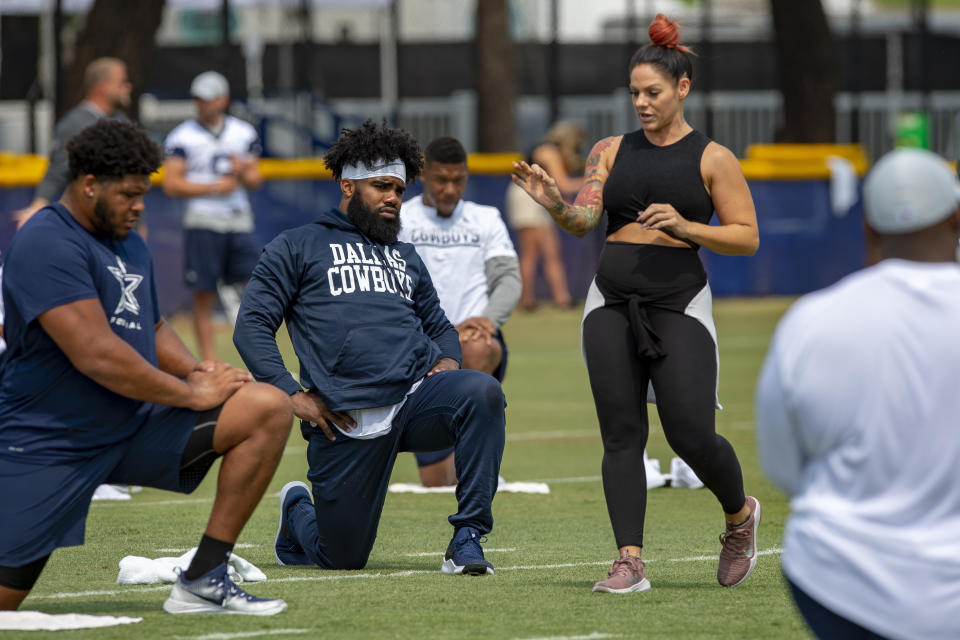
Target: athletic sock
(210,554)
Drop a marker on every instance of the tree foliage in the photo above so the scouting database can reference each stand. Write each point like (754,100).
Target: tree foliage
(120,29)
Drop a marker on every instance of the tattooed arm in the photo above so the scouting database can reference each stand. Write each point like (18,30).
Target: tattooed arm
(584,214)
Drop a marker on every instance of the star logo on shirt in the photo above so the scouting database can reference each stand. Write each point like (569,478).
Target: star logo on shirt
(128,284)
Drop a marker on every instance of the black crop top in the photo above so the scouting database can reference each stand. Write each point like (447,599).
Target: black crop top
(644,173)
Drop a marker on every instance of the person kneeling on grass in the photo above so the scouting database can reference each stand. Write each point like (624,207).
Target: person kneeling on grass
(95,387)
(379,364)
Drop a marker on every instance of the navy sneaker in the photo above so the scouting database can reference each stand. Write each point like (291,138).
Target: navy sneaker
(464,555)
(215,592)
(285,548)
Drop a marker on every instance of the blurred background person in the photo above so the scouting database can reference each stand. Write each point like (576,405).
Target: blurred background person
(857,410)
(106,93)
(560,154)
(212,160)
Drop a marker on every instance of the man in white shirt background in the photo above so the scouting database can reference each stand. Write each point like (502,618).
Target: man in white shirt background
(474,268)
(857,417)
(212,160)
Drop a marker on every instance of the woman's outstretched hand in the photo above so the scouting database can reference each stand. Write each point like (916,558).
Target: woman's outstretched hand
(538,184)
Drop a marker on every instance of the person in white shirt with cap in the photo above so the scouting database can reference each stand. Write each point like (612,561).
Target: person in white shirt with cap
(857,420)
(212,161)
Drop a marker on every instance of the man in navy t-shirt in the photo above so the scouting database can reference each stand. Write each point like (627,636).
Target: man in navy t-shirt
(95,387)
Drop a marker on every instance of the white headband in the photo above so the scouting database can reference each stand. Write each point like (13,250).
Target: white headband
(394,168)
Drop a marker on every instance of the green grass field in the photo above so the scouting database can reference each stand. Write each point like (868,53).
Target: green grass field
(548,550)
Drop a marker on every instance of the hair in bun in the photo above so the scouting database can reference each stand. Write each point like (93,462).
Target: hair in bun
(665,51)
(666,33)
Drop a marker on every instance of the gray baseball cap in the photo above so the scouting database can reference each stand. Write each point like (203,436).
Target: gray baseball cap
(209,85)
(909,190)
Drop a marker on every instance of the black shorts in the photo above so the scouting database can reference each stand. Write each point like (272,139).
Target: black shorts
(46,501)
(212,257)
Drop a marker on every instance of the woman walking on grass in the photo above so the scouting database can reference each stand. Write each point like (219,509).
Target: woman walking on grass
(648,316)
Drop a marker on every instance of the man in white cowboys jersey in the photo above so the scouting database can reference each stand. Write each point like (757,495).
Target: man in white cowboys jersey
(474,268)
(212,160)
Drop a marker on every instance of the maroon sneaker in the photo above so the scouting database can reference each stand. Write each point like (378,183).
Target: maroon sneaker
(625,576)
(738,554)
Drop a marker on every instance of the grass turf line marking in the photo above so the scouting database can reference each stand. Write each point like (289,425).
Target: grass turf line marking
(394,574)
(103,592)
(554,435)
(246,634)
(429,554)
(155,503)
(766,552)
(158,503)
(596,635)
(571,480)
(239,545)
(419,572)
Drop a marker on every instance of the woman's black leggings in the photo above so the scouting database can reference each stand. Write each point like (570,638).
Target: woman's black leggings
(683,374)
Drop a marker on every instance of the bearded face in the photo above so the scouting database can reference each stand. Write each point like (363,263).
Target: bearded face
(119,205)
(375,208)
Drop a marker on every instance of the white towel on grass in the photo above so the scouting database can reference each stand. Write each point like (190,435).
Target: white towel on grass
(37,621)
(140,570)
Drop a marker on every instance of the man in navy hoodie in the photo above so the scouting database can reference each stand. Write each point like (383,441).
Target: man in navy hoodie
(379,365)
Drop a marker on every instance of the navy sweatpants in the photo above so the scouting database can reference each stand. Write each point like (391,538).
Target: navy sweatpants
(462,408)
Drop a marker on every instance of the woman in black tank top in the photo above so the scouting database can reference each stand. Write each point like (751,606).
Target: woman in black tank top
(648,330)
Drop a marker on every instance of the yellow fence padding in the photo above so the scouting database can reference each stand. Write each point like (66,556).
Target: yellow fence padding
(763,162)
(799,161)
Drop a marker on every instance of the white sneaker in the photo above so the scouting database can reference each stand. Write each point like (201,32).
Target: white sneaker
(682,476)
(654,477)
(110,492)
(215,592)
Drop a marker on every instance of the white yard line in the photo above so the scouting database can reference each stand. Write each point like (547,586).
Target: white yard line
(159,503)
(143,503)
(245,634)
(369,576)
(102,592)
(766,552)
(430,554)
(553,435)
(596,635)
(240,545)
(571,480)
